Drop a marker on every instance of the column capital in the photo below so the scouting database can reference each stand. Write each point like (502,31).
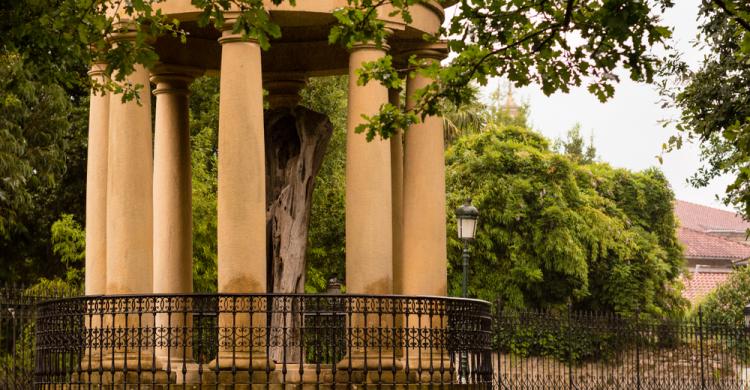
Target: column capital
(372,45)
(283,90)
(98,69)
(123,30)
(369,45)
(435,51)
(229,36)
(173,78)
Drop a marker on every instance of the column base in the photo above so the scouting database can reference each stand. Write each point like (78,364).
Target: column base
(142,380)
(173,363)
(145,361)
(426,361)
(242,361)
(357,360)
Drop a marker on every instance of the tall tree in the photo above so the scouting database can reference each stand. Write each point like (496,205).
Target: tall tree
(553,231)
(42,144)
(575,147)
(714,100)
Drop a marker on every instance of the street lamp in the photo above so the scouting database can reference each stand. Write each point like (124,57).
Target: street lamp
(746,313)
(466,216)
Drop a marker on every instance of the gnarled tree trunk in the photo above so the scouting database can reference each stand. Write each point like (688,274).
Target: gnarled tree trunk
(296,141)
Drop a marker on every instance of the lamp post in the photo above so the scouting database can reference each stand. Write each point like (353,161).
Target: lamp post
(466,216)
(746,315)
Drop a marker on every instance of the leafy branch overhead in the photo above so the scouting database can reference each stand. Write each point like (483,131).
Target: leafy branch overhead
(556,44)
(713,98)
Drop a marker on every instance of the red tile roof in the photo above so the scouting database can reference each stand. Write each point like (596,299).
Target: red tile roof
(703,218)
(701,283)
(701,245)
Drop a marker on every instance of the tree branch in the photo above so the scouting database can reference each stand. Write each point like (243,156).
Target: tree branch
(732,14)
(510,46)
(562,26)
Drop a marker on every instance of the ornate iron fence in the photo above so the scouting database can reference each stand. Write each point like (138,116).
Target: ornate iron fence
(17,313)
(581,350)
(345,340)
(268,339)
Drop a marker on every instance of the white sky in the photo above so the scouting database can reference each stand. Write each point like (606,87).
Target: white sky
(626,129)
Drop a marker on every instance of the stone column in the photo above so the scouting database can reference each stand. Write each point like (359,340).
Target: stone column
(129,215)
(241,197)
(397,195)
(369,240)
(425,248)
(96,209)
(129,192)
(96,187)
(173,223)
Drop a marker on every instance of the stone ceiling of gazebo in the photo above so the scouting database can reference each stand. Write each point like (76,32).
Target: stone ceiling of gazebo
(303,47)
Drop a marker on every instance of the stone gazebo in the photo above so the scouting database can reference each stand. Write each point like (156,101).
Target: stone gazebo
(140,322)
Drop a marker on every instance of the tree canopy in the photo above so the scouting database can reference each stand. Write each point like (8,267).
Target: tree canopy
(554,231)
(557,44)
(726,303)
(42,167)
(714,99)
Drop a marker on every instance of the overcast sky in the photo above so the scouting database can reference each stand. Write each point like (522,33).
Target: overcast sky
(626,129)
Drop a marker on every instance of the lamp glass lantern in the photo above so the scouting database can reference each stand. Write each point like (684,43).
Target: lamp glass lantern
(466,217)
(746,314)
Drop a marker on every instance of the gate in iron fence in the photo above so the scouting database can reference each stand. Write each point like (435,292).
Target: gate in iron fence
(583,350)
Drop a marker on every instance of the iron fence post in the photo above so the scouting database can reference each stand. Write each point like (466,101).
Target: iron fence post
(495,331)
(464,363)
(700,341)
(570,346)
(637,350)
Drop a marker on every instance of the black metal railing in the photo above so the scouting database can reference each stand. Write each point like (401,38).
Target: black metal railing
(346,340)
(266,339)
(17,313)
(584,350)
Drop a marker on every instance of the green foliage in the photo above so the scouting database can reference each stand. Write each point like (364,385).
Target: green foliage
(723,308)
(556,44)
(32,121)
(42,163)
(574,146)
(552,231)
(468,119)
(571,339)
(69,243)
(713,99)
(326,238)
(473,116)
(204,126)
(529,41)
(325,254)
(725,304)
